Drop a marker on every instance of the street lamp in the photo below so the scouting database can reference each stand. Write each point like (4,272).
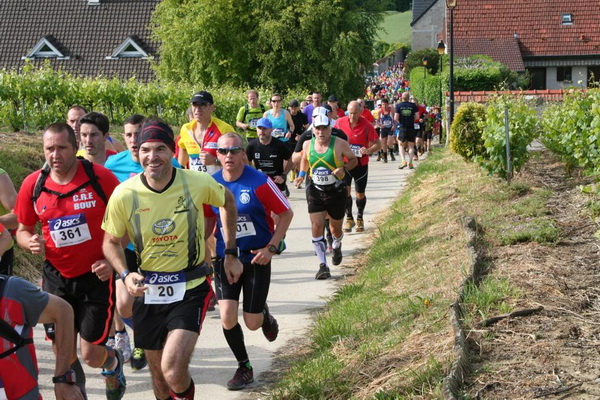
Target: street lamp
(441,48)
(451,4)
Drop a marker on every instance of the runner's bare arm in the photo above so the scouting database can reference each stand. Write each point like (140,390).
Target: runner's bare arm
(347,152)
(8,197)
(60,313)
(29,240)
(183,158)
(115,255)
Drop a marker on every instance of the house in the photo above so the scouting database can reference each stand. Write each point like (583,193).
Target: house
(427,23)
(557,42)
(83,37)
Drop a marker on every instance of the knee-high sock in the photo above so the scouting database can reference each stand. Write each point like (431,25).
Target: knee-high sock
(349,207)
(320,248)
(337,242)
(79,376)
(360,205)
(235,340)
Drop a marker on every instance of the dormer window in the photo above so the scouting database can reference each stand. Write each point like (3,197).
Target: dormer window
(128,49)
(567,19)
(45,49)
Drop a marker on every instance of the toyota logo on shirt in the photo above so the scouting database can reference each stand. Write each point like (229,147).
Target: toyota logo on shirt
(163,227)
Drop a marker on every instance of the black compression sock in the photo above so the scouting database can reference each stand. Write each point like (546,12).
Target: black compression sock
(235,340)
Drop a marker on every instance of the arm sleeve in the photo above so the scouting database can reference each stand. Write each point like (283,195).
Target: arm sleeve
(33,299)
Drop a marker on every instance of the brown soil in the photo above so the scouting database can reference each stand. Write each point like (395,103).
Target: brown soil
(553,354)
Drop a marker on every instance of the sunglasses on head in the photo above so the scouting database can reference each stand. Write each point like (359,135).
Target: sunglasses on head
(232,150)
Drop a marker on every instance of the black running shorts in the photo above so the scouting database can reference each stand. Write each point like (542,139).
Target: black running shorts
(360,174)
(154,321)
(254,282)
(407,135)
(385,132)
(332,201)
(93,302)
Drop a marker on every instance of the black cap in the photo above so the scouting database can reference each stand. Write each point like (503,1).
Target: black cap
(328,107)
(294,103)
(202,97)
(332,98)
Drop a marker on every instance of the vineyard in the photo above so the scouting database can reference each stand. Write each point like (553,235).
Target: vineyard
(35,97)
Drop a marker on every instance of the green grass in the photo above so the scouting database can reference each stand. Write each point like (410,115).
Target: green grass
(396,27)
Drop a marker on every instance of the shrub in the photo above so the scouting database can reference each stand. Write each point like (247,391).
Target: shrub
(480,72)
(522,124)
(466,131)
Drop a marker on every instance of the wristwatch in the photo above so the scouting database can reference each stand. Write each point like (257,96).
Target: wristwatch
(233,252)
(272,248)
(124,275)
(67,377)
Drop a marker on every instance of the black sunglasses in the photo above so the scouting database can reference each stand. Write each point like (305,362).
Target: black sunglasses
(232,150)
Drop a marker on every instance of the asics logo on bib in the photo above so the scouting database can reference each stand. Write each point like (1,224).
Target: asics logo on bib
(65,223)
(158,279)
(163,227)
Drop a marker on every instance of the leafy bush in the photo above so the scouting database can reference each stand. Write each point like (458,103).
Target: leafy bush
(466,131)
(425,87)
(415,59)
(522,123)
(480,72)
(572,130)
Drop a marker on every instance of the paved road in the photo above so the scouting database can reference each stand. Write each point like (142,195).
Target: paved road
(293,297)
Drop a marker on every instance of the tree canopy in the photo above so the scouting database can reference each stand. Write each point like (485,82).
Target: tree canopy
(276,44)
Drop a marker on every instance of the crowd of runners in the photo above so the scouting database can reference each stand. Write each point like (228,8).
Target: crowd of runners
(147,235)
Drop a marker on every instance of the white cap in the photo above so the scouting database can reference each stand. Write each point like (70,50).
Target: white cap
(319,111)
(321,120)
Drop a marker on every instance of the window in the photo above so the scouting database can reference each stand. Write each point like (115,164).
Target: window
(563,74)
(567,19)
(128,49)
(45,49)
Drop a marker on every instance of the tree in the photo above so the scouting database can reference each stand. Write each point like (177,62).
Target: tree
(278,44)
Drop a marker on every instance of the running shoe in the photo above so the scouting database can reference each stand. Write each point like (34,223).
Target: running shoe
(242,377)
(385,158)
(122,344)
(337,257)
(138,359)
(349,225)
(323,272)
(410,166)
(115,380)
(270,327)
(379,156)
(392,158)
(403,165)
(416,157)
(360,225)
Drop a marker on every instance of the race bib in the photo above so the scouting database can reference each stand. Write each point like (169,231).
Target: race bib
(196,164)
(417,125)
(245,226)
(356,150)
(278,132)
(387,123)
(252,123)
(323,176)
(69,230)
(164,287)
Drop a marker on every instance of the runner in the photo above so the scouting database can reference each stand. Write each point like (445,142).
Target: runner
(316,102)
(334,103)
(270,155)
(386,124)
(280,118)
(8,197)
(257,241)
(161,209)
(125,165)
(249,114)
(68,198)
(93,133)
(73,115)
(406,113)
(364,141)
(326,188)
(22,306)
(198,138)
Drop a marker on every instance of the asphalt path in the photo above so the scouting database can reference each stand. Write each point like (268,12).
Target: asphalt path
(294,297)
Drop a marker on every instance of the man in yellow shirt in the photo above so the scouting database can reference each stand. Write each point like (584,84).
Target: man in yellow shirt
(161,210)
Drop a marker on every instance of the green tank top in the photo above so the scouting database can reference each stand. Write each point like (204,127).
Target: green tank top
(323,165)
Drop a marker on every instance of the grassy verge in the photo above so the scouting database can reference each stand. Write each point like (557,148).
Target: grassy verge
(387,334)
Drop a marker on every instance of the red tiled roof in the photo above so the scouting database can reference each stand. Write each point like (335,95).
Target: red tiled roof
(504,50)
(538,24)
